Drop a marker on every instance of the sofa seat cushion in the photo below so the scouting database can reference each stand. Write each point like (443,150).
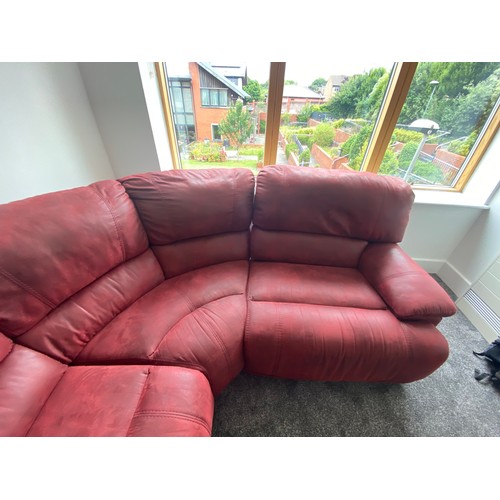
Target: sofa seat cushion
(194,320)
(127,401)
(337,343)
(308,284)
(40,396)
(328,323)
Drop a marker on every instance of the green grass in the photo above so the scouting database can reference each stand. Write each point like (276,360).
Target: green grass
(250,164)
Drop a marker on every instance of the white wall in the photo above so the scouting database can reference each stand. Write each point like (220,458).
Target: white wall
(478,249)
(457,235)
(117,99)
(435,230)
(152,95)
(48,135)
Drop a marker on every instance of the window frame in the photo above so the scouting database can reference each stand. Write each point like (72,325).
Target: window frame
(392,104)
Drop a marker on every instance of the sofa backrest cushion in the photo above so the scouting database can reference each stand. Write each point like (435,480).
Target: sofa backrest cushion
(194,218)
(27,379)
(348,209)
(62,256)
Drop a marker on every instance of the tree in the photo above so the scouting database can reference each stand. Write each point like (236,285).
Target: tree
(353,99)
(318,85)
(254,89)
(237,125)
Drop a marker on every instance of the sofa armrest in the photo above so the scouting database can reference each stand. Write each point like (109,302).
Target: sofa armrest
(409,291)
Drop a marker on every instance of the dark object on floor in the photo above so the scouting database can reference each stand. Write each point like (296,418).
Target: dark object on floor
(492,355)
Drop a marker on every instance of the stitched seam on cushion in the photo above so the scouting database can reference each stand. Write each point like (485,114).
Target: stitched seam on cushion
(383,308)
(406,338)
(247,302)
(120,241)
(190,312)
(397,275)
(46,401)
(173,414)
(222,347)
(27,288)
(141,397)
(279,335)
(233,182)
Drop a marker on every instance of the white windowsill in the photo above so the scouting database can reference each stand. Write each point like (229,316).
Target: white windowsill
(426,197)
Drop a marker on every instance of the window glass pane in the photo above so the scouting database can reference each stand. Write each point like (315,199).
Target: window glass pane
(205,97)
(223,97)
(329,111)
(177,98)
(214,98)
(188,101)
(444,113)
(205,101)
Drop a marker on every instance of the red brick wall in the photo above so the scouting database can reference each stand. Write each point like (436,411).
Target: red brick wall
(341,136)
(293,160)
(321,157)
(454,159)
(203,117)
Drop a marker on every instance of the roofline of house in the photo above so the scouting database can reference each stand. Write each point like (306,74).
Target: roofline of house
(224,80)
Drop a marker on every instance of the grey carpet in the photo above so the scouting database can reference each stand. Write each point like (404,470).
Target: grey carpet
(450,402)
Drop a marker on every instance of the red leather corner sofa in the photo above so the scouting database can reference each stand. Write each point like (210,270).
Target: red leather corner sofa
(127,306)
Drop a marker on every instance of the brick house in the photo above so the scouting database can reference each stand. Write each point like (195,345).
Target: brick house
(201,99)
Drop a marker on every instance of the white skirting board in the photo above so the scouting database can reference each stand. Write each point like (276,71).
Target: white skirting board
(480,301)
(480,315)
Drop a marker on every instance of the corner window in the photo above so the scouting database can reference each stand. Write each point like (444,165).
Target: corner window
(428,123)
(446,113)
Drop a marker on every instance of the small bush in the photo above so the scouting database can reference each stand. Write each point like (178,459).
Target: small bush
(389,165)
(285,119)
(463,147)
(211,152)
(323,134)
(428,171)
(307,140)
(291,147)
(402,135)
(305,156)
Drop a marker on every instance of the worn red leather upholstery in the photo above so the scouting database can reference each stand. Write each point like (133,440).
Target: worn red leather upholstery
(327,286)
(126,306)
(43,397)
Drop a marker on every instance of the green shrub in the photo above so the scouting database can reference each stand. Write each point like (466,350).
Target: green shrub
(305,156)
(428,171)
(285,119)
(356,146)
(307,140)
(262,126)
(402,135)
(323,134)
(291,147)
(407,153)
(389,165)
(305,113)
(463,147)
(211,152)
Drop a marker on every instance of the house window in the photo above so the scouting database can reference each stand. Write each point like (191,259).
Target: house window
(215,132)
(216,98)
(182,110)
